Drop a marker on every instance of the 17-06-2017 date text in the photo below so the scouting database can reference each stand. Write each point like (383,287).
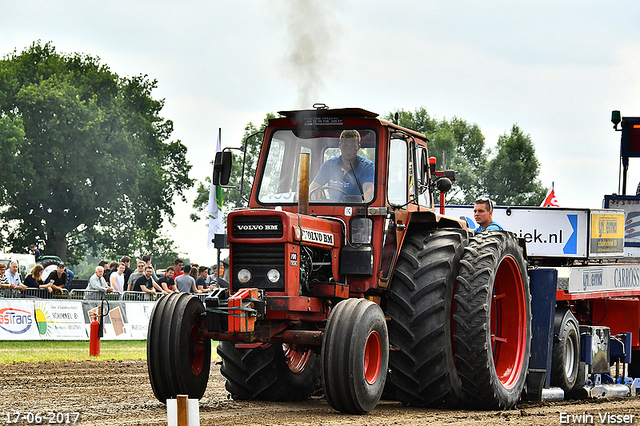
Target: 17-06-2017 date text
(41,417)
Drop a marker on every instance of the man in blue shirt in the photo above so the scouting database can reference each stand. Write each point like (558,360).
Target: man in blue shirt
(483,214)
(337,173)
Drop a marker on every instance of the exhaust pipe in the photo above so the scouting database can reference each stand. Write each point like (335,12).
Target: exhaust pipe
(303,189)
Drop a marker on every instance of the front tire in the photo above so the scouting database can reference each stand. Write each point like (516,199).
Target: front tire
(493,321)
(272,372)
(355,356)
(178,358)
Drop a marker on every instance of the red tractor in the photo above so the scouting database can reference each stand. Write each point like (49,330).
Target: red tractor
(343,275)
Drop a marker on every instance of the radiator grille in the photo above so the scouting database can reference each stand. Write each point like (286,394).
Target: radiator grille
(258,258)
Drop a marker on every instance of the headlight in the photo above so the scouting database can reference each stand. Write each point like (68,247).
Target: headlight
(244,276)
(273,275)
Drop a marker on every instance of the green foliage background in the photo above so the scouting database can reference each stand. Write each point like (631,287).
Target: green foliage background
(87,160)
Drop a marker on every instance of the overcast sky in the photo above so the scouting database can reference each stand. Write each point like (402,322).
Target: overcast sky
(557,69)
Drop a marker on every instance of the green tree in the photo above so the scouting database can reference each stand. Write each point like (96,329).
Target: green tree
(233,198)
(86,155)
(511,178)
(462,142)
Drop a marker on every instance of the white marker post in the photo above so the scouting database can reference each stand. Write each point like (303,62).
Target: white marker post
(183,411)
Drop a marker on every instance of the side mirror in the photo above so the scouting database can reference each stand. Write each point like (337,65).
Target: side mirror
(424,167)
(222,168)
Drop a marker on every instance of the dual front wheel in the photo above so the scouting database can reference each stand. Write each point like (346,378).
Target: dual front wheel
(460,320)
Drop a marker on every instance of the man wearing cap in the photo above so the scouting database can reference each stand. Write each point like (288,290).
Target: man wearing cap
(57,280)
(483,214)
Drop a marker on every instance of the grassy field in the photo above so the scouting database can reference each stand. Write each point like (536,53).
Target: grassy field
(48,350)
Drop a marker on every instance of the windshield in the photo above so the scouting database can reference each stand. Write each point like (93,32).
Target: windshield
(341,166)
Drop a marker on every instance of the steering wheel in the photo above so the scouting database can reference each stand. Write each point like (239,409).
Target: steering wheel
(327,187)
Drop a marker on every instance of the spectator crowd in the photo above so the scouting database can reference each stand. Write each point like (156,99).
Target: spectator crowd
(115,276)
(179,277)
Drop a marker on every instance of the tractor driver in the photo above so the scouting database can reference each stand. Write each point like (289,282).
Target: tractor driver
(346,174)
(483,214)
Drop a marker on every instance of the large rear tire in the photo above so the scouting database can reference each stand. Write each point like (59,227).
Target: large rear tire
(565,361)
(275,372)
(178,357)
(419,306)
(355,356)
(493,321)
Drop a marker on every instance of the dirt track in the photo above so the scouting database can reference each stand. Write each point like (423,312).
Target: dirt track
(118,393)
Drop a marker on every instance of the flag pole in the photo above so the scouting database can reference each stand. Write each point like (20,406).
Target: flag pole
(219,146)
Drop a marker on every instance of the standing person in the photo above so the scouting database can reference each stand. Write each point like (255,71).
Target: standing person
(116,280)
(145,283)
(201,282)
(483,215)
(166,281)
(137,274)
(177,267)
(34,279)
(348,173)
(185,282)
(194,271)
(4,282)
(14,277)
(127,269)
(70,275)
(108,270)
(211,277)
(147,263)
(35,251)
(97,286)
(57,280)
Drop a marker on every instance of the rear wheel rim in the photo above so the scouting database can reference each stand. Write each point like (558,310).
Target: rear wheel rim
(508,322)
(570,355)
(296,359)
(372,357)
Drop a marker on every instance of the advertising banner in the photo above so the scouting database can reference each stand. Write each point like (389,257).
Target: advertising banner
(618,277)
(17,321)
(631,207)
(607,232)
(114,325)
(549,232)
(44,319)
(139,315)
(59,320)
